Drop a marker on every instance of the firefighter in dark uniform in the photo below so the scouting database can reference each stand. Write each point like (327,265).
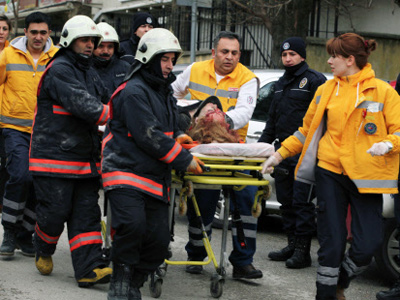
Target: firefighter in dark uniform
(106,61)
(142,23)
(293,94)
(139,151)
(65,154)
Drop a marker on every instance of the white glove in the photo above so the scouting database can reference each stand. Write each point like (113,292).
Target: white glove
(379,149)
(271,162)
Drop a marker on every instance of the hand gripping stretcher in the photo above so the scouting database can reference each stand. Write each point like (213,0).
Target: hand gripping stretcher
(221,173)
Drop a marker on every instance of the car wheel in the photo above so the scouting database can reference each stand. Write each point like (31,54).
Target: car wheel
(386,257)
(218,221)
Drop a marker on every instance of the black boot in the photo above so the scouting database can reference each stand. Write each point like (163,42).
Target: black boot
(8,245)
(24,242)
(392,294)
(285,253)
(120,282)
(301,257)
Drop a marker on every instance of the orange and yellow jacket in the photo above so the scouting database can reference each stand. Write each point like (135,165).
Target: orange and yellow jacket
(346,117)
(21,77)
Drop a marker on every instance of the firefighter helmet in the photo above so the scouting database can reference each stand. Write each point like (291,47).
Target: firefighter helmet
(156,41)
(77,27)
(109,34)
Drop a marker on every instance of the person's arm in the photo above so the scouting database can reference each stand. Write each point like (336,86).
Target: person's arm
(181,84)
(148,133)
(72,95)
(245,104)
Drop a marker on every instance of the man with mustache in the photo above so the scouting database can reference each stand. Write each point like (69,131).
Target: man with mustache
(237,88)
(64,155)
(107,62)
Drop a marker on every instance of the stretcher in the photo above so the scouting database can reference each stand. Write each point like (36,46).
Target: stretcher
(220,173)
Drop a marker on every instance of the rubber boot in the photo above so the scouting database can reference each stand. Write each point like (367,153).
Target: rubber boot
(285,253)
(392,294)
(137,281)
(120,282)
(301,257)
(44,264)
(24,242)
(98,275)
(8,245)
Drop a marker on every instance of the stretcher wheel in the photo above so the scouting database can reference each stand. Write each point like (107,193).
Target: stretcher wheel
(155,288)
(256,212)
(182,206)
(267,191)
(216,288)
(189,188)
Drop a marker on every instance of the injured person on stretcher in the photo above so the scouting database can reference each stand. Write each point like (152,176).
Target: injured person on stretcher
(208,126)
(211,132)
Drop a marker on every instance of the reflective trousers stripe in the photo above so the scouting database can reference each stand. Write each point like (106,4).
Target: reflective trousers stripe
(122,178)
(59,166)
(84,239)
(45,237)
(327,275)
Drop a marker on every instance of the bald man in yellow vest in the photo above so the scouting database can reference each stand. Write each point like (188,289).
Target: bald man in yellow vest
(237,88)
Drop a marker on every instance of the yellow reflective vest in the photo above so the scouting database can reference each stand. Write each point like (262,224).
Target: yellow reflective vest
(374,116)
(21,77)
(203,83)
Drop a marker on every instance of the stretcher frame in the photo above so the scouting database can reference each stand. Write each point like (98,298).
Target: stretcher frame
(222,173)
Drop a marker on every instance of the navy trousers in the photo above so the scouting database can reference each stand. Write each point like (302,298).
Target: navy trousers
(74,201)
(298,211)
(207,202)
(142,235)
(334,193)
(19,200)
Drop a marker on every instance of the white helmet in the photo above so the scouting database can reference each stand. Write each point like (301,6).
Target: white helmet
(156,41)
(77,27)
(109,34)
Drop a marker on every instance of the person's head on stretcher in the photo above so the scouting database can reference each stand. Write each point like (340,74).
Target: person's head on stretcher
(209,125)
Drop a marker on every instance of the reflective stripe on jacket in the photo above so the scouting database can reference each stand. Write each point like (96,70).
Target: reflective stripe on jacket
(21,78)
(377,103)
(227,90)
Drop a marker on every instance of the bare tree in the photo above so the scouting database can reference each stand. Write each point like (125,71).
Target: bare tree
(282,18)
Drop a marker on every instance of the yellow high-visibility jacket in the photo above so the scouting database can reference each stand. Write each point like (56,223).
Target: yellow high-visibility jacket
(203,83)
(373,116)
(21,77)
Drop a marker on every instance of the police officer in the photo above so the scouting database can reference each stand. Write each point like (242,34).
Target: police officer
(293,94)
(111,68)
(142,23)
(65,154)
(139,152)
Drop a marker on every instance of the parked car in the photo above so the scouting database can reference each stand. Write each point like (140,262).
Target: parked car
(387,257)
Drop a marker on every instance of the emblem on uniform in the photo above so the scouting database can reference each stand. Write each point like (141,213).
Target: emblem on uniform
(286,46)
(303,82)
(370,128)
(148,20)
(250,100)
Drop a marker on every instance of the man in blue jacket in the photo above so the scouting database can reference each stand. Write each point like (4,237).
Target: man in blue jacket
(293,94)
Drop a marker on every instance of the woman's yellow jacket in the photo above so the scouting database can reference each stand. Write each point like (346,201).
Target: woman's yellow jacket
(377,106)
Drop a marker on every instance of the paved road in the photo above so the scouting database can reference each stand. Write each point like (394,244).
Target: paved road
(19,279)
